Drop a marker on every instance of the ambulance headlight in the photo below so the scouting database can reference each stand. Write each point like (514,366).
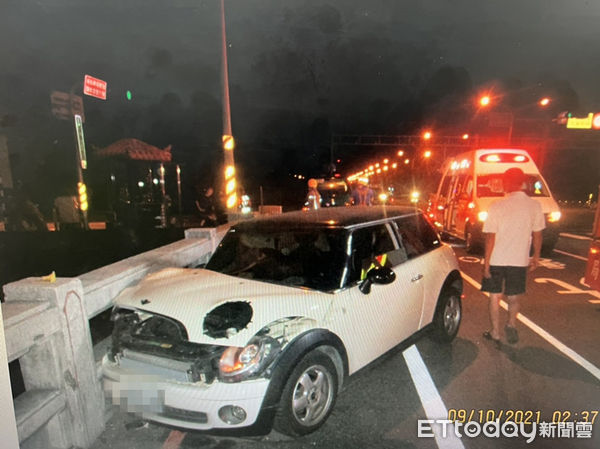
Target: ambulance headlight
(482,216)
(554,216)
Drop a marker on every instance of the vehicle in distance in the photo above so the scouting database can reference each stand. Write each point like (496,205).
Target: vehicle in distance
(472,181)
(334,192)
(286,308)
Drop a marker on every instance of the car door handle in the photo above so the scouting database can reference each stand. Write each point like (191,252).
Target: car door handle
(416,278)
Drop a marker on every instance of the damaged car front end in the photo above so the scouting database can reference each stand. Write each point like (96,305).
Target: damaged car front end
(153,368)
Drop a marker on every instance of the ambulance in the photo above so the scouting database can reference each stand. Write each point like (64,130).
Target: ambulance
(472,181)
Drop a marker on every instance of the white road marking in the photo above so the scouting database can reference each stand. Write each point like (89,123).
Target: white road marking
(570,254)
(592,369)
(582,282)
(594,301)
(574,236)
(569,289)
(430,398)
(551,264)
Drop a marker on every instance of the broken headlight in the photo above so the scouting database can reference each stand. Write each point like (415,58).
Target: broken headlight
(238,364)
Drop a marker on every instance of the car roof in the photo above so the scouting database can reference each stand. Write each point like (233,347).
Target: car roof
(329,217)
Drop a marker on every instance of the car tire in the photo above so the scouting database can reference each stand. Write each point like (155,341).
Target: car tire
(308,396)
(448,315)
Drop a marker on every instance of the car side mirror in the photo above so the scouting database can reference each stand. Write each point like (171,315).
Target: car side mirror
(377,275)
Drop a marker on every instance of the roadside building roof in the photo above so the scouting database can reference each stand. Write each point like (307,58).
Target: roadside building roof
(133,149)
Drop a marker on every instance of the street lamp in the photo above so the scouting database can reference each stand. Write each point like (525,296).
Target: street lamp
(427,135)
(544,102)
(484,101)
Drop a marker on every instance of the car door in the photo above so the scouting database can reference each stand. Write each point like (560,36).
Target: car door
(371,324)
(420,240)
(465,196)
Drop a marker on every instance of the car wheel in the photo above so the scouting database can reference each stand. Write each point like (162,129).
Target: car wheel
(448,315)
(308,396)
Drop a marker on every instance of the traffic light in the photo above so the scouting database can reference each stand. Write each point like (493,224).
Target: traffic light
(83,198)
(128,95)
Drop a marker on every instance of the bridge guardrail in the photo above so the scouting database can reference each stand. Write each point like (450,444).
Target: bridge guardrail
(46,327)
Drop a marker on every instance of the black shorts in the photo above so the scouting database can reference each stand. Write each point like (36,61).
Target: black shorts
(513,279)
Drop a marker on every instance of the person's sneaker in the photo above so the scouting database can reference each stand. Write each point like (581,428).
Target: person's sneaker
(488,336)
(512,336)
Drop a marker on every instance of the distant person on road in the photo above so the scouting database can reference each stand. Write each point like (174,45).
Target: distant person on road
(362,195)
(313,197)
(512,223)
(22,213)
(207,208)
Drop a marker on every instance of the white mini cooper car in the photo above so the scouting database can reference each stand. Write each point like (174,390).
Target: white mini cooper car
(287,307)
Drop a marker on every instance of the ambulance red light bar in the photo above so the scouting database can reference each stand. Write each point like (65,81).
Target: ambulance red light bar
(503,157)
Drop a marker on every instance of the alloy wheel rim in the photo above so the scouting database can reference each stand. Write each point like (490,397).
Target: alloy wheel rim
(312,395)
(451,315)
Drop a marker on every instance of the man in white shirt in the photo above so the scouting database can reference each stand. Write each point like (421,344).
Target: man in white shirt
(508,229)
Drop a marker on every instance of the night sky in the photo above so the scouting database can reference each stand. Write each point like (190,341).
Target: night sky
(299,71)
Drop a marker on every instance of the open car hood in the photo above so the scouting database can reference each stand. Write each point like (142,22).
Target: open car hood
(188,295)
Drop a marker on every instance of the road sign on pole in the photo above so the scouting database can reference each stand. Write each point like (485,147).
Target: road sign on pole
(94,87)
(65,105)
(80,141)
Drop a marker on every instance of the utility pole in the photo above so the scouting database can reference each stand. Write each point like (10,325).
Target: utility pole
(228,141)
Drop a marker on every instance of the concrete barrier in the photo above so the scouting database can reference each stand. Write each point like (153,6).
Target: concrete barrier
(46,327)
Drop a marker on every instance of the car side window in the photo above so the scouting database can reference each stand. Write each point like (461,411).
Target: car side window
(416,235)
(372,246)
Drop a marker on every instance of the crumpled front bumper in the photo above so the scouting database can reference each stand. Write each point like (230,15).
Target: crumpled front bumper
(182,404)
